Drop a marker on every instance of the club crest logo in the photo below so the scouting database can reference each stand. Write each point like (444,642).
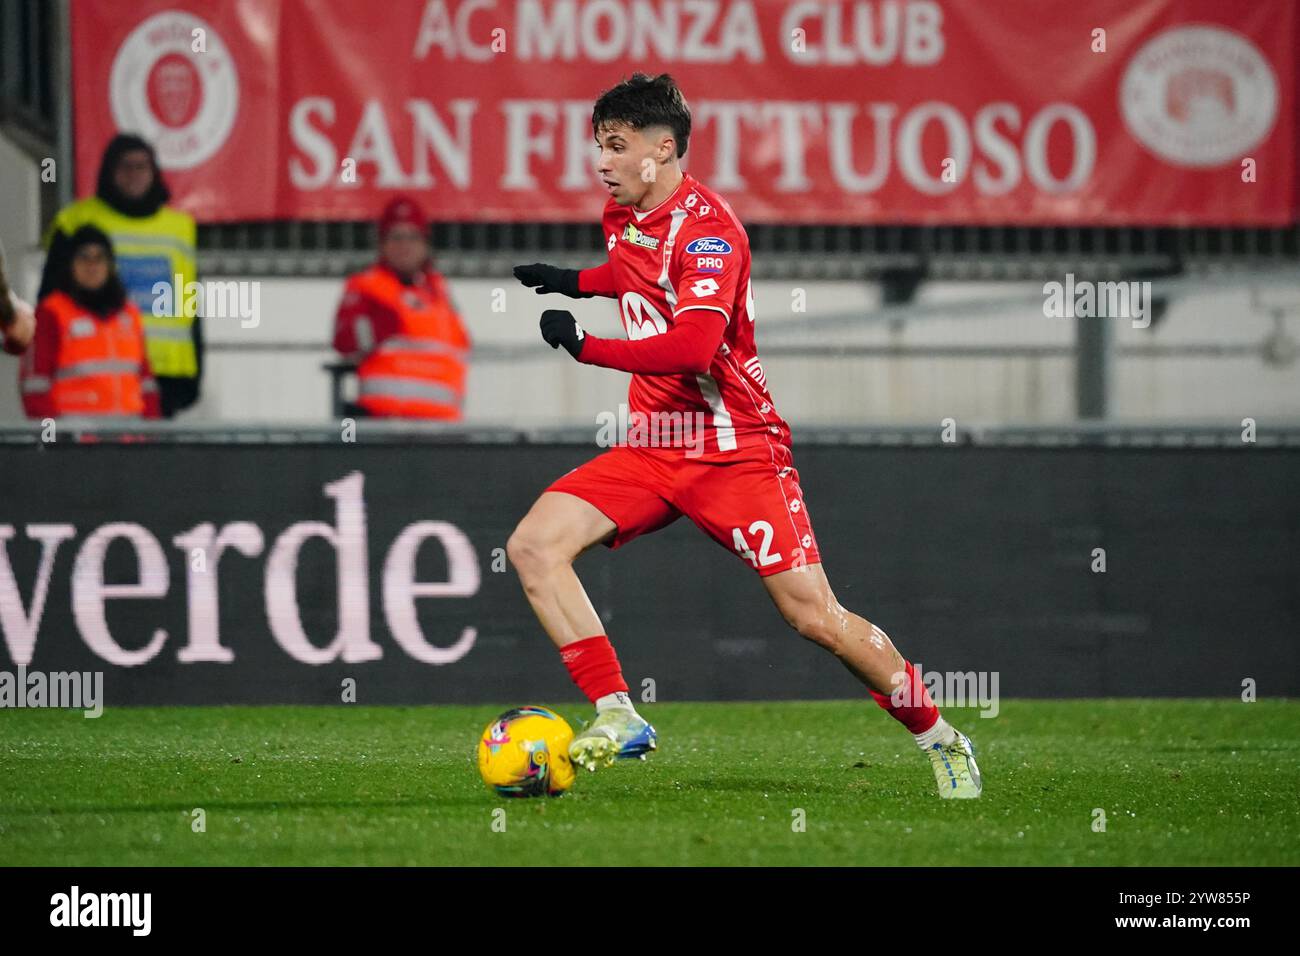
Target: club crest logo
(1199,96)
(182,102)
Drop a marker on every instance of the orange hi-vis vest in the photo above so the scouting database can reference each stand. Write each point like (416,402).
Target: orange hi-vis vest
(101,368)
(419,371)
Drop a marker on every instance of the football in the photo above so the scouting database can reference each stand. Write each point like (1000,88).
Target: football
(525,753)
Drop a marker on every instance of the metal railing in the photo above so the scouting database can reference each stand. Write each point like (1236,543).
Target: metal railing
(474,249)
(73,432)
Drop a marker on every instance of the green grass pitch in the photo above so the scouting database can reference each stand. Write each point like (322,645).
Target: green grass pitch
(1181,782)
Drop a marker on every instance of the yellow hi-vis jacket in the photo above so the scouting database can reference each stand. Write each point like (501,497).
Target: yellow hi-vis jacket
(149,250)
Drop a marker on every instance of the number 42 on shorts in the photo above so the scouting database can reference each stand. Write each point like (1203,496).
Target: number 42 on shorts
(764,557)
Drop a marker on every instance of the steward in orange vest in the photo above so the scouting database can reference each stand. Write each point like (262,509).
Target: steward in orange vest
(88,356)
(397,320)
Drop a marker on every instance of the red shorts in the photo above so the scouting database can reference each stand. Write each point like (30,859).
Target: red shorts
(753,508)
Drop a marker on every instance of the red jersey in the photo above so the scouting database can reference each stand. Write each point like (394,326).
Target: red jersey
(691,252)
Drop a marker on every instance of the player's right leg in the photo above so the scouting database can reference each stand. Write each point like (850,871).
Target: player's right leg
(609,500)
(756,510)
(805,600)
(557,529)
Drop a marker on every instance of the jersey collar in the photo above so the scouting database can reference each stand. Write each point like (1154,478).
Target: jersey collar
(642,216)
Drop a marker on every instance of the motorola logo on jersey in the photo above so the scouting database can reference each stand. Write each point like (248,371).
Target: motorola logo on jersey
(640,318)
(709,245)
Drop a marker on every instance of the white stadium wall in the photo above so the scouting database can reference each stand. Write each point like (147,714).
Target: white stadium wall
(548,389)
(290,386)
(20,224)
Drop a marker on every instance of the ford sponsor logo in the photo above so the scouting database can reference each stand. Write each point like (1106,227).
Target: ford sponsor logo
(709,244)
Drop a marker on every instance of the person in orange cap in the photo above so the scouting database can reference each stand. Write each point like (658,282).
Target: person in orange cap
(398,323)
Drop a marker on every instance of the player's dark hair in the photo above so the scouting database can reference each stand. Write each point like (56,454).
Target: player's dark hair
(642,101)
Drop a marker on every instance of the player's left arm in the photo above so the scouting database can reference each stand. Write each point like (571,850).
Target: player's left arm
(685,349)
(706,270)
(708,260)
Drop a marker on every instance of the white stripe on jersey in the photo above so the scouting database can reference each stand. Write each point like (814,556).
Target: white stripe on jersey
(679,216)
(767,438)
(715,308)
(708,387)
(721,417)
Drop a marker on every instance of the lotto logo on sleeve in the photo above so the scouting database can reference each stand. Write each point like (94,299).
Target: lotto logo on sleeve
(704,287)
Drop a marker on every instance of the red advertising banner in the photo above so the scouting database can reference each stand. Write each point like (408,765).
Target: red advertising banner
(1112,112)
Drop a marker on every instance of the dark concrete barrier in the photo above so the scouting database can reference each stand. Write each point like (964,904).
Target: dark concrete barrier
(260,573)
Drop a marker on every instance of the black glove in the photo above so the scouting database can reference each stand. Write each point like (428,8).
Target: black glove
(559,327)
(551,279)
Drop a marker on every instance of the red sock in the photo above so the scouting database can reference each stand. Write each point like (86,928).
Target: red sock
(917,712)
(593,665)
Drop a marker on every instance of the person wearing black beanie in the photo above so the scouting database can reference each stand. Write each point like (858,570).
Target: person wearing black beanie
(154,243)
